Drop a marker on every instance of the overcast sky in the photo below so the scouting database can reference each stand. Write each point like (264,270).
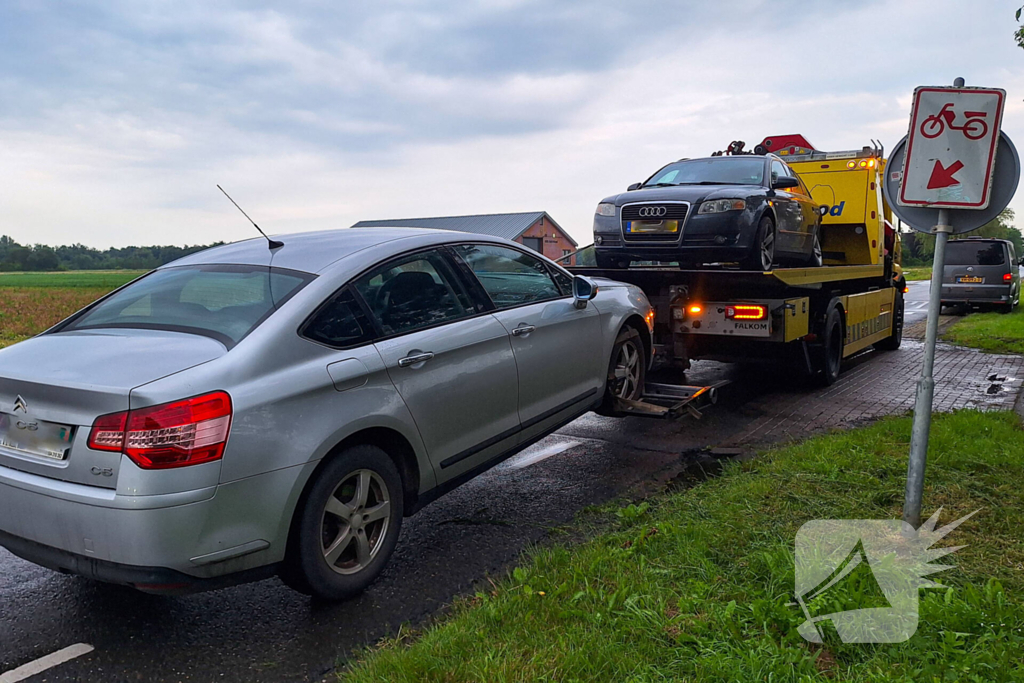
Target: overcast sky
(117,118)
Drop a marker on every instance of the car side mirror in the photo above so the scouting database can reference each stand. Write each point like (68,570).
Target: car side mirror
(784,182)
(583,290)
(634,186)
(823,210)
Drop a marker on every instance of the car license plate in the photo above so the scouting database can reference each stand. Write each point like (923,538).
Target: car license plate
(969,280)
(35,437)
(652,227)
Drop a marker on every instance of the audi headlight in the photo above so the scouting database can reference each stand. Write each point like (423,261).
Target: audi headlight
(605,209)
(722,205)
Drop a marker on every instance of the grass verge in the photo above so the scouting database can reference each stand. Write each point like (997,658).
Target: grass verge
(106,279)
(918,273)
(992,332)
(695,585)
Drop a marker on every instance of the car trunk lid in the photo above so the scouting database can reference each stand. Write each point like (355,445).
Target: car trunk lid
(53,387)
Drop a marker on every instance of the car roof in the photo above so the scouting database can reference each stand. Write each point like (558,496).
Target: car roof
(313,252)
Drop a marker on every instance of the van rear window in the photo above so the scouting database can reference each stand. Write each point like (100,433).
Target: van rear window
(975,254)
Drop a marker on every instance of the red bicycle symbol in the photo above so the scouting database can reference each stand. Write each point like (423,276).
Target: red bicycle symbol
(974,127)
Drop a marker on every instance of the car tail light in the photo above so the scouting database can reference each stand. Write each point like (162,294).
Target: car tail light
(745,312)
(1007,277)
(188,432)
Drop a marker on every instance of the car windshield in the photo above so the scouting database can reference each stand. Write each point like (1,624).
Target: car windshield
(225,302)
(718,170)
(975,253)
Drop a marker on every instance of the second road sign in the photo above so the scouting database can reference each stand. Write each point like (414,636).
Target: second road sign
(951,147)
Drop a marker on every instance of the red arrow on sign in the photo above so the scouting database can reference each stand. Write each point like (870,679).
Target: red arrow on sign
(943,177)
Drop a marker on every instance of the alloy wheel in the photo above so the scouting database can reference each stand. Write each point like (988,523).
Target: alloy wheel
(355,522)
(768,248)
(627,369)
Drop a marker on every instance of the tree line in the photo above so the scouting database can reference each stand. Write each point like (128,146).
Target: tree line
(40,257)
(919,248)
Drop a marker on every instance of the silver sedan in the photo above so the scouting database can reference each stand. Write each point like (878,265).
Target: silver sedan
(247,411)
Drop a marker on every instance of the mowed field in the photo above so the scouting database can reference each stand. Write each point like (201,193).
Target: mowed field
(32,302)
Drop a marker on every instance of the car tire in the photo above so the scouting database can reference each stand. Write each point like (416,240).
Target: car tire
(347,525)
(610,261)
(830,353)
(816,259)
(762,252)
(627,370)
(893,341)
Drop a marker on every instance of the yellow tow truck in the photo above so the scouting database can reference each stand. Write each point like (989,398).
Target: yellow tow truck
(811,317)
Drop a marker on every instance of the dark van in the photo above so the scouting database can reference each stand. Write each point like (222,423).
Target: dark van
(981,272)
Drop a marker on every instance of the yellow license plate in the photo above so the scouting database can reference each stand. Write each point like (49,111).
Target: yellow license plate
(970,280)
(647,227)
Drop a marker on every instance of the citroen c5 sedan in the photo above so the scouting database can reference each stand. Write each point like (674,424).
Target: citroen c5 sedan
(247,411)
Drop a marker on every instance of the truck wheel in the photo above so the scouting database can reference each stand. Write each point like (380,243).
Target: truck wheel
(347,527)
(830,356)
(762,253)
(627,370)
(893,341)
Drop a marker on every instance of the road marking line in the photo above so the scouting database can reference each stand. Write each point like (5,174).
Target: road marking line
(48,662)
(542,453)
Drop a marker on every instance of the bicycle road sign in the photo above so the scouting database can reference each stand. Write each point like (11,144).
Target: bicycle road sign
(951,147)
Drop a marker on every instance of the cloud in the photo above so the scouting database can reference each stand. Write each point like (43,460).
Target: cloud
(119,117)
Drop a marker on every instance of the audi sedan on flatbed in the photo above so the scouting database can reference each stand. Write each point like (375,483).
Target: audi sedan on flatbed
(750,209)
(247,411)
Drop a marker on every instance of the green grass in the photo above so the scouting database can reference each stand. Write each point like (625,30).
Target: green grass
(918,273)
(109,279)
(694,585)
(992,332)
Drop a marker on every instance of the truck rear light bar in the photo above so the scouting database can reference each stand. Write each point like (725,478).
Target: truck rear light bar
(178,434)
(746,312)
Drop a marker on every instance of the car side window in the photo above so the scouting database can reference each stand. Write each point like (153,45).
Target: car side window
(339,322)
(412,293)
(778,170)
(510,277)
(800,188)
(563,280)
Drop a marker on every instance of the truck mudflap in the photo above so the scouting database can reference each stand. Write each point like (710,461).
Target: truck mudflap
(671,401)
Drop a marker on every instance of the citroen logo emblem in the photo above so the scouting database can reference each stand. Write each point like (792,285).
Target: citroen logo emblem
(19,404)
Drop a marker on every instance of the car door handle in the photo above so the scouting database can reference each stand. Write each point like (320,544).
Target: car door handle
(413,360)
(523,330)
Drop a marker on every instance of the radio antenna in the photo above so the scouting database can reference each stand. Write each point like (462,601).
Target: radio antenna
(274,244)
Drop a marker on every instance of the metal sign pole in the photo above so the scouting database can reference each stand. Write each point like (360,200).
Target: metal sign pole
(926,385)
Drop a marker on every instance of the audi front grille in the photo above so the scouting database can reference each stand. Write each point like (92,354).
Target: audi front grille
(657,211)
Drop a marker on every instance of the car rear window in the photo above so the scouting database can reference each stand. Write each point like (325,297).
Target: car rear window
(975,253)
(225,302)
(725,170)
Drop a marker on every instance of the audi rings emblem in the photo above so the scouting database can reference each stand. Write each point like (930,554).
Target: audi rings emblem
(653,211)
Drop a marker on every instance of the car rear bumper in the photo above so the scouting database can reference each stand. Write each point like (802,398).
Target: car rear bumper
(237,527)
(981,294)
(147,579)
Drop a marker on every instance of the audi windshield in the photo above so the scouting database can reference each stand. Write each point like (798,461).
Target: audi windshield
(714,171)
(225,302)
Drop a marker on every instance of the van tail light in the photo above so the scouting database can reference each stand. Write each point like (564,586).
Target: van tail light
(746,312)
(179,434)
(1007,277)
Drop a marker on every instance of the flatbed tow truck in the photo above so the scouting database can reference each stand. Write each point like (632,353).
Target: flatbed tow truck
(809,319)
